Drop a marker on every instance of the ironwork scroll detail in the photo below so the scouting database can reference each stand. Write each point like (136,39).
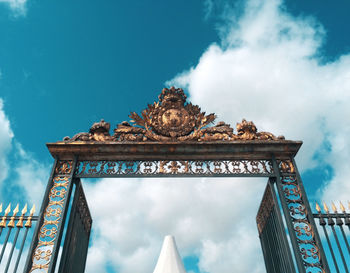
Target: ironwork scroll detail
(172,119)
(53,213)
(265,209)
(84,212)
(303,229)
(176,168)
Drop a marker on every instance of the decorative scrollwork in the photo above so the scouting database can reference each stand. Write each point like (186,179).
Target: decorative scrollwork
(84,211)
(265,209)
(52,217)
(303,229)
(286,166)
(173,167)
(172,119)
(64,167)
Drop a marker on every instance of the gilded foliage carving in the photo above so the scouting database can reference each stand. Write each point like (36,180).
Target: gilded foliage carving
(172,119)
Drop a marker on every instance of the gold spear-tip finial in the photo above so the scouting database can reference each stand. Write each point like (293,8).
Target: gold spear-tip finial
(334,208)
(342,207)
(12,220)
(20,221)
(3,220)
(318,208)
(32,210)
(16,210)
(325,207)
(8,209)
(24,210)
(28,224)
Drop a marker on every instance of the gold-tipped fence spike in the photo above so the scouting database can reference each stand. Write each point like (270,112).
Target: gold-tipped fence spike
(342,207)
(8,209)
(3,220)
(12,219)
(318,208)
(28,224)
(334,208)
(24,210)
(20,221)
(0,207)
(325,207)
(32,210)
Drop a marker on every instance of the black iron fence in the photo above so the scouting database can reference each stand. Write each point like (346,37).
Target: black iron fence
(335,228)
(15,234)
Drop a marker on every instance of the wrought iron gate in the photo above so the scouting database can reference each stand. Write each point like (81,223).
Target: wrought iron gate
(335,226)
(277,254)
(77,236)
(173,138)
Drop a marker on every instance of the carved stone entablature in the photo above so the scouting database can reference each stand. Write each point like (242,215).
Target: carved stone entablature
(172,119)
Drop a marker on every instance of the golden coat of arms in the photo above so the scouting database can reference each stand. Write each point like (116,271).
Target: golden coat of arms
(171,118)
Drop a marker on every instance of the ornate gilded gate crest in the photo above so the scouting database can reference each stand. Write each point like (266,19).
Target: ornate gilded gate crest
(172,119)
(173,138)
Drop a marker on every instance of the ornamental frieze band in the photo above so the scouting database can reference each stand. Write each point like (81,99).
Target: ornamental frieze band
(170,119)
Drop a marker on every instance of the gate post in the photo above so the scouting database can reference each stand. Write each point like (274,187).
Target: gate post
(42,255)
(306,243)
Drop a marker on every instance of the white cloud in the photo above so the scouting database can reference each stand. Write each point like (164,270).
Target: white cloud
(6,136)
(208,217)
(18,7)
(31,176)
(26,172)
(268,69)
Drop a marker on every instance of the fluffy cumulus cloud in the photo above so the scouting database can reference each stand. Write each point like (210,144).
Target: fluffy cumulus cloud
(27,177)
(6,136)
(18,7)
(210,218)
(268,69)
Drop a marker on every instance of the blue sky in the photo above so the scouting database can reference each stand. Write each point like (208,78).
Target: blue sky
(64,65)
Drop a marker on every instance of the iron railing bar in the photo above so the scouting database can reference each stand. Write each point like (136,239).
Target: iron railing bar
(333,215)
(340,249)
(5,243)
(277,239)
(279,222)
(12,249)
(271,246)
(347,219)
(20,250)
(174,175)
(290,226)
(34,218)
(345,239)
(266,234)
(330,247)
(265,254)
(274,241)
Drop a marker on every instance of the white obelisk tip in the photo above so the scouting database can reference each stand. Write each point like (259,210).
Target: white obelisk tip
(169,260)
